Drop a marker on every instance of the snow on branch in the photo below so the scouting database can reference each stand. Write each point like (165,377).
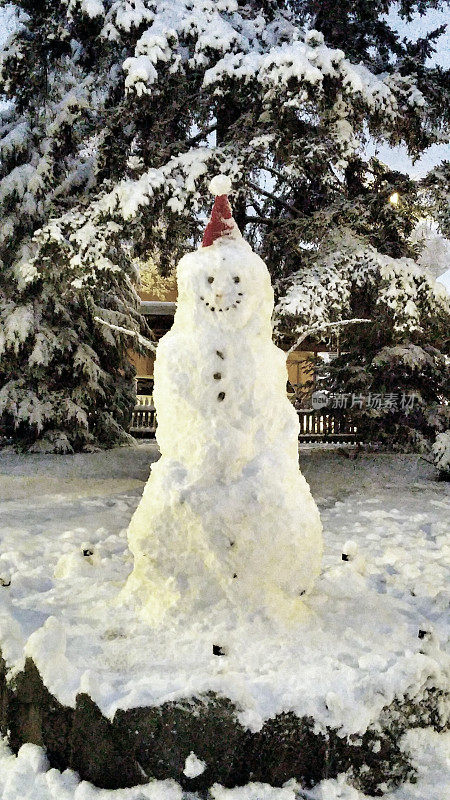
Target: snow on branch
(277,200)
(141,339)
(324,327)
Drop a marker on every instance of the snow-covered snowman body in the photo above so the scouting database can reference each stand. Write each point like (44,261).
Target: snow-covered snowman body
(226,516)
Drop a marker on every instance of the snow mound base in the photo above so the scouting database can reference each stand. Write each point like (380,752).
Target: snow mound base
(200,741)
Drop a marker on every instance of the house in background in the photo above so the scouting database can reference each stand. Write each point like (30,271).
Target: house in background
(158,301)
(159,315)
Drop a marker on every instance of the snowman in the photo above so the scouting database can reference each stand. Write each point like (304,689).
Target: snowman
(226,516)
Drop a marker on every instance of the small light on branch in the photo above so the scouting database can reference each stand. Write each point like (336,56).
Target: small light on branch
(394,199)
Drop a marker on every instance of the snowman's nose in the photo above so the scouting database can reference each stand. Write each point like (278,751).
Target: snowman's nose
(219,295)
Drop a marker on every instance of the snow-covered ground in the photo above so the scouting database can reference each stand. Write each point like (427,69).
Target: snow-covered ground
(356,648)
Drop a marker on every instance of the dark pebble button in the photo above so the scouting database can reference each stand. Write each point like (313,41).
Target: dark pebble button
(221,355)
(221,396)
(217,376)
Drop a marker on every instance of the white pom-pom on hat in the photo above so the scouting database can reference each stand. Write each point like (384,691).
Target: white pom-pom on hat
(220,184)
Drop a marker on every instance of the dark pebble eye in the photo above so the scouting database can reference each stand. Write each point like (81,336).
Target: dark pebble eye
(210,280)
(237,280)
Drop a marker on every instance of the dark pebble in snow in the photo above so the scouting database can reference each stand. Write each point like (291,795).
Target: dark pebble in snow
(221,396)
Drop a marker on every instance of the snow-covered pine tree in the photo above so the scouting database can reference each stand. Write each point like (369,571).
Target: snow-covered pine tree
(128,108)
(393,373)
(65,379)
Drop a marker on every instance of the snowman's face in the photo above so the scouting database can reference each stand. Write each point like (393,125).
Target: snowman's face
(228,283)
(222,289)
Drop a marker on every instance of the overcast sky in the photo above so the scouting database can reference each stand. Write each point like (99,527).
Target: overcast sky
(397,157)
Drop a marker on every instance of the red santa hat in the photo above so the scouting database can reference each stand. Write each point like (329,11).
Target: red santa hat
(221,222)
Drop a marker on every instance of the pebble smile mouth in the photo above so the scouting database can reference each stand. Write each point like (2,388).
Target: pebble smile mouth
(220,308)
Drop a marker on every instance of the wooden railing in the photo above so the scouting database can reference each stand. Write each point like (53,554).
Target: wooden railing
(326,426)
(143,422)
(315,426)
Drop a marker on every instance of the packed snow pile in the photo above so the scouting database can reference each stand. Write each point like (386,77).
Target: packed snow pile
(227,526)
(29,777)
(193,766)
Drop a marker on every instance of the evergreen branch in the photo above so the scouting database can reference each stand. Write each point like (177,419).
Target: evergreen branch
(273,197)
(264,220)
(257,207)
(278,174)
(202,135)
(141,339)
(324,327)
